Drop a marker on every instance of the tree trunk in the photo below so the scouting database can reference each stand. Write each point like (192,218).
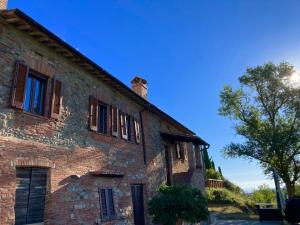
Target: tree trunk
(290,187)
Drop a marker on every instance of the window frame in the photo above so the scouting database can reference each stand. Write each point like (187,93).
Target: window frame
(109,217)
(36,75)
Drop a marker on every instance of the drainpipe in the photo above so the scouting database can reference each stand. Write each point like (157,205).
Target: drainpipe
(143,132)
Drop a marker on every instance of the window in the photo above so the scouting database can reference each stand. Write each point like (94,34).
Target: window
(180,150)
(31,188)
(102,118)
(29,92)
(128,126)
(35,94)
(123,122)
(114,121)
(107,204)
(137,133)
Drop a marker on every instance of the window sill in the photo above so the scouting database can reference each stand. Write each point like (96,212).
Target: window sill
(110,136)
(34,115)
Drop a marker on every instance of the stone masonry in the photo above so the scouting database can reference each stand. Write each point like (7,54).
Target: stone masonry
(70,150)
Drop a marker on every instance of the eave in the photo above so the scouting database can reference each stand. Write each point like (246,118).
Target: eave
(21,21)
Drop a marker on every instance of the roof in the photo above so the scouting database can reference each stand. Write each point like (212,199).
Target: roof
(184,138)
(26,24)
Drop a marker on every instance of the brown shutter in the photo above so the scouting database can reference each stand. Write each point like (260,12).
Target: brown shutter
(114,121)
(19,86)
(137,132)
(93,119)
(177,148)
(123,125)
(56,96)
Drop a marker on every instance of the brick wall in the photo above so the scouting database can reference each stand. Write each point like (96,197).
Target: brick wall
(67,147)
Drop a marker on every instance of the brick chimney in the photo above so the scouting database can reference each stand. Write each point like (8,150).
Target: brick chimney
(3,4)
(139,86)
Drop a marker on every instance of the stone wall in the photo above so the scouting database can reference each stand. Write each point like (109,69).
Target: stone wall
(67,147)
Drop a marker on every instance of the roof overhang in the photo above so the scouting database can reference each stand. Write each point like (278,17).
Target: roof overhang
(23,22)
(184,138)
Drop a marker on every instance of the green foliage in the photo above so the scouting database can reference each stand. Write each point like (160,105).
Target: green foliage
(266,112)
(220,171)
(224,196)
(212,174)
(213,165)
(207,160)
(264,194)
(232,187)
(178,202)
(297,190)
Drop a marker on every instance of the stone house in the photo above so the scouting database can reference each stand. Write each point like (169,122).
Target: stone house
(77,146)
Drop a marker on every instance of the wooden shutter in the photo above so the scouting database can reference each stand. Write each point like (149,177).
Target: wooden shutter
(107,204)
(123,125)
(104,212)
(177,148)
(30,195)
(19,85)
(114,121)
(183,150)
(56,96)
(93,118)
(110,200)
(137,132)
(23,177)
(36,201)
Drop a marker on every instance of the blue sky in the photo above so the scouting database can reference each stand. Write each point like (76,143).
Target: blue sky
(186,50)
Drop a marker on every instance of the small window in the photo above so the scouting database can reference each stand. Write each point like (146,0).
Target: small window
(180,150)
(35,94)
(123,122)
(102,118)
(107,204)
(128,126)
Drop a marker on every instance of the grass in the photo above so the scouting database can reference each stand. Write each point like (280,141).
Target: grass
(231,212)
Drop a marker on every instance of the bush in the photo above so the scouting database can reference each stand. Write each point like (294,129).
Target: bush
(232,187)
(264,194)
(178,202)
(224,196)
(212,174)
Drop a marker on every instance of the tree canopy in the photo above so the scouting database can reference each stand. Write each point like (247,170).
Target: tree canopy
(266,113)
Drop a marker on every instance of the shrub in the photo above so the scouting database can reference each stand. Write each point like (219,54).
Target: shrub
(224,196)
(212,174)
(178,202)
(232,187)
(264,194)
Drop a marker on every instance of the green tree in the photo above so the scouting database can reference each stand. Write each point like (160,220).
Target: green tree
(212,163)
(178,202)
(207,161)
(264,194)
(220,171)
(212,174)
(266,111)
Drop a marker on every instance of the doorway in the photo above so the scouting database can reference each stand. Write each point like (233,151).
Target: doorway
(137,193)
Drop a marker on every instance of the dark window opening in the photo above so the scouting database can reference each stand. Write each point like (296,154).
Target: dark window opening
(128,126)
(102,119)
(35,94)
(107,204)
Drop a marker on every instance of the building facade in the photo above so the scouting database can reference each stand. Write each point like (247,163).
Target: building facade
(76,145)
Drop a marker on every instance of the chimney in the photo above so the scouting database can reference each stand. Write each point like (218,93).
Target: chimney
(3,4)
(139,86)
